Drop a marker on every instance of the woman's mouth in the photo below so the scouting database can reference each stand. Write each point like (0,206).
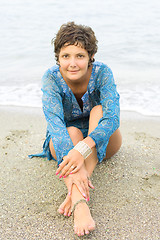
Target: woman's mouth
(73,71)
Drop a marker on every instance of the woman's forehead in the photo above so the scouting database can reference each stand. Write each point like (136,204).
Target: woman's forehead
(68,47)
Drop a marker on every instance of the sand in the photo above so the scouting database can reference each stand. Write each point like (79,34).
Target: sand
(125,203)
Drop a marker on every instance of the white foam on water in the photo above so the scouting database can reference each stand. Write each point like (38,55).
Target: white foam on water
(144,100)
(141,99)
(28,96)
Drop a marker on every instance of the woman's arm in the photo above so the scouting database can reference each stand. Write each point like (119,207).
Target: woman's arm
(53,110)
(109,123)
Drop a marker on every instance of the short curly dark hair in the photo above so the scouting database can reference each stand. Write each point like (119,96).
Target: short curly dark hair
(73,34)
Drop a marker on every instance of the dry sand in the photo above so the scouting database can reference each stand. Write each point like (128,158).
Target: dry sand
(125,203)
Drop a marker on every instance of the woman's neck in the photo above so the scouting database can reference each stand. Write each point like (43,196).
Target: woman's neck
(79,87)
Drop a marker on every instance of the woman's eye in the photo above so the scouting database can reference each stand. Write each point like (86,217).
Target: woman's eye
(65,56)
(80,56)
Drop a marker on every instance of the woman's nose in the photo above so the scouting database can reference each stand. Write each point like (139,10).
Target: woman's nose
(73,62)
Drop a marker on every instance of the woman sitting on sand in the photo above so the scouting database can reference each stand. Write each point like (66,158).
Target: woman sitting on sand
(81,106)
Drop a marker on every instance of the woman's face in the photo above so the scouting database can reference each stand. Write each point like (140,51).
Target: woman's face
(73,62)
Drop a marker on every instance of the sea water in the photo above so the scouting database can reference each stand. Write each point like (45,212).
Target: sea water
(128,34)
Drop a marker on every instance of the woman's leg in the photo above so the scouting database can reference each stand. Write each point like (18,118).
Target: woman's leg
(115,140)
(82,217)
(76,136)
(83,221)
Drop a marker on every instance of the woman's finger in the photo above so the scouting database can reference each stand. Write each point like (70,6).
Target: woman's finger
(90,184)
(86,190)
(65,170)
(70,169)
(80,186)
(77,168)
(74,170)
(69,186)
(62,165)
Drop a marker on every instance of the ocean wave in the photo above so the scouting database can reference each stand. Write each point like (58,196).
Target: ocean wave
(28,96)
(141,99)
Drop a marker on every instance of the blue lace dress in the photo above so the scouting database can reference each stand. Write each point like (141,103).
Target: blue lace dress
(62,110)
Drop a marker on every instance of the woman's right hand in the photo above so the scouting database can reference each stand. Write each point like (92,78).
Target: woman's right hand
(71,163)
(81,180)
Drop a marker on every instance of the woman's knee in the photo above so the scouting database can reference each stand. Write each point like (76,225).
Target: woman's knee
(75,134)
(51,147)
(114,144)
(95,115)
(96,111)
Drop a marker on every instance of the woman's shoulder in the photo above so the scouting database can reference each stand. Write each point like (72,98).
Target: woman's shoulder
(100,66)
(54,70)
(101,70)
(53,78)
(52,75)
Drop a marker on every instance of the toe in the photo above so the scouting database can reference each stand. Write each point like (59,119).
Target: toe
(65,213)
(91,227)
(61,208)
(61,211)
(75,230)
(81,231)
(65,206)
(78,233)
(69,212)
(86,231)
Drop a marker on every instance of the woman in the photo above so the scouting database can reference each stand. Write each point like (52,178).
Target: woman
(81,106)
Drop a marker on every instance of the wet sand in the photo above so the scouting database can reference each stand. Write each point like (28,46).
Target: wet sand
(125,203)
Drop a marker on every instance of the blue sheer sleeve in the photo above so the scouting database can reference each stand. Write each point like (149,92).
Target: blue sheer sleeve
(53,110)
(109,123)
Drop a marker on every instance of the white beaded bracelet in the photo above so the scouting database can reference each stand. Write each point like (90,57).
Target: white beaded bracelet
(83,148)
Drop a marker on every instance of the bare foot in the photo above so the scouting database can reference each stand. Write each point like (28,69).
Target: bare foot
(83,221)
(65,207)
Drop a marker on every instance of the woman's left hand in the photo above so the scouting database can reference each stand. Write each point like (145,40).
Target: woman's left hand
(81,180)
(71,163)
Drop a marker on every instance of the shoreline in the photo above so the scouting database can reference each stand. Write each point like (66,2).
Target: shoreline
(125,117)
(38,110)
(124,204)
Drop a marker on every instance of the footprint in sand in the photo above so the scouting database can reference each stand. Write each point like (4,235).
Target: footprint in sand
(13,138)
(151,184)
(16,134)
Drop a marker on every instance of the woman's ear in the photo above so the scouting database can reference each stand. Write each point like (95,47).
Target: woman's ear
(92,58)
(58,63)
